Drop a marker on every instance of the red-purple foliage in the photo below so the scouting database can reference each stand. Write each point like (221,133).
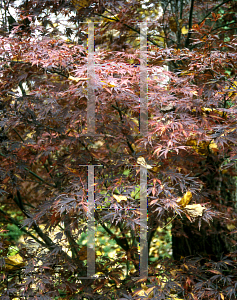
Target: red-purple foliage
(191,144)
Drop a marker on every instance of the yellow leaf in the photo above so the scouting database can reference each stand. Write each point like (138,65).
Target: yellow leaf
(173,273)
(230,227)
(147,292)
(135,121)
(195,210)
(120,198)
(213,146)
(107,84)
(206,109)
(185,199)
(184,30)
(202,147)
(173,24)
(72,170)
(135,128)
(144,286)
(79,4)
(212,110)
(111,85)
(83,253)
(224,171)
(233,87)
(155,169)
(16,58)
(191,142)
(76,79)
(13,262)
(113,19)
(30,135)
(141,161)
(161,39)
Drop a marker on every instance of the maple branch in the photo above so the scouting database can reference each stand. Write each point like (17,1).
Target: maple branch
(121,118)
(71,241)
(164,37)
(128,26)
(18,134)
(234,22)
(48,170)
(44,237)
(120,241)
(231,28)
(57,72)
(225,78)
(54,71)
(207,15)
(181,9)
(20,203)
(123,234)
(15,222)
(48,243)
(38,177)
(190,22)
(85,146)
(180,17)
(31,172)
(22,89)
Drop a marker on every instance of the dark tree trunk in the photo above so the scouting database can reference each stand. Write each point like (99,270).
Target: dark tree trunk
(215,239)
(211,241)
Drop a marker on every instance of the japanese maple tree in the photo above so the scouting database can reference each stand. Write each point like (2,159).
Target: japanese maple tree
(189,150)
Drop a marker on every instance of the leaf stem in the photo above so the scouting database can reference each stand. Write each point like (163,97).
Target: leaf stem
(169,221)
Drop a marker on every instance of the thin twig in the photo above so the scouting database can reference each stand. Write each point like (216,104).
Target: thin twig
(207,15)
(169,221)
(190,24)
(18,134)
(38,177)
